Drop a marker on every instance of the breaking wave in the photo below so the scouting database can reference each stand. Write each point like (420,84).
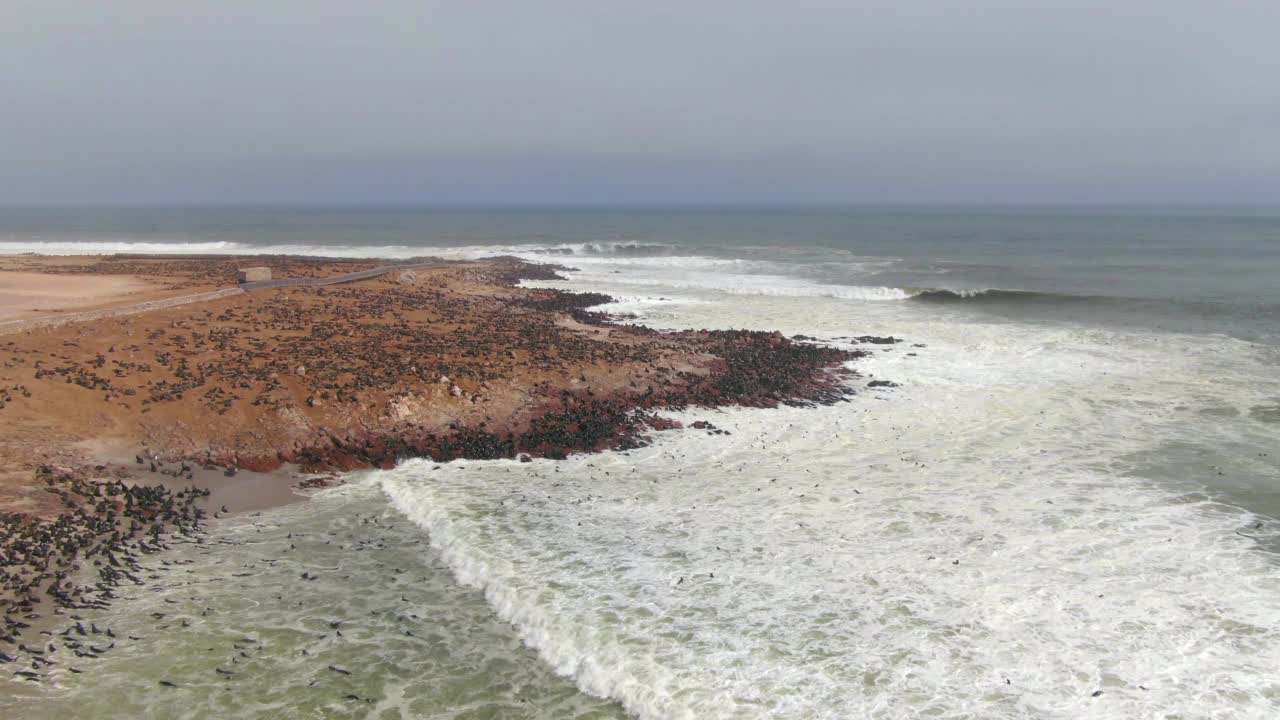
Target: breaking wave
(945,295)
(219,247)
(695,277)
(115,246)
(613,249)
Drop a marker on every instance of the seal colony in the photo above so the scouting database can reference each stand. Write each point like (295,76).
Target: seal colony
(116,430)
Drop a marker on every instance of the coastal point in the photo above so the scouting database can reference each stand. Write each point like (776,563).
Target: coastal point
(133,423)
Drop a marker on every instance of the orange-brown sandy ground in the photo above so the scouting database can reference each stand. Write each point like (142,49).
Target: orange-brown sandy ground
(446,361)
(450,361)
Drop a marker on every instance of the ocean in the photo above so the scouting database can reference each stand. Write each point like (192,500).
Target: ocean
(1068,508)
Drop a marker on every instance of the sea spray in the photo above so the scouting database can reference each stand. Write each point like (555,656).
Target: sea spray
(982,540)
(588,655)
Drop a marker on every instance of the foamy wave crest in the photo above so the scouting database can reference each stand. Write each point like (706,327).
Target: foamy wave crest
(114,247)
(596,662)
(132,247)
(606,251)
(935,554)
(841,292)
(763,285)
(616,249)
(944,295)
(688,273)
(178,247)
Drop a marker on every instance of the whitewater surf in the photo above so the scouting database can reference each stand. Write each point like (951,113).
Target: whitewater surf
(1045,506)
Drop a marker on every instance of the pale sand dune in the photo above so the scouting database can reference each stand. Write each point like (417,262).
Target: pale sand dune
(32,294)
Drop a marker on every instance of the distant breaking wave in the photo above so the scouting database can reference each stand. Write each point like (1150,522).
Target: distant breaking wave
(123,246)
(943,295)
(787,286)
(929,295)
(215,247)
(616,249)
(653,256)
(579,254)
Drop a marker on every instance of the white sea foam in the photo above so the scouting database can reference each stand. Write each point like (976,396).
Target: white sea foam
(534,251)
(983,542)
(733,275)
(730,275)
(742,277)
(1037,515)
(177,247)
(774,286)
(108,247)
(249,631)
(771,285)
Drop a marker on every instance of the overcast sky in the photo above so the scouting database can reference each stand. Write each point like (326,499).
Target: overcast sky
(645,101)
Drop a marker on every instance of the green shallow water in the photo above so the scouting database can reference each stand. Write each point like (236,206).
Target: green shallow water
(415,643)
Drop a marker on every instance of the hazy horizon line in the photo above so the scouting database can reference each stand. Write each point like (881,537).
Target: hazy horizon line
(1013,205)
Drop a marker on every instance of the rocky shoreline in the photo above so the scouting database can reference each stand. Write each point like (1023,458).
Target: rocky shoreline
(447,363)
(752,369)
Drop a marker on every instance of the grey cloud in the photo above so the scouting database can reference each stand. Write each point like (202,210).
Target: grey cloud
(559,102)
